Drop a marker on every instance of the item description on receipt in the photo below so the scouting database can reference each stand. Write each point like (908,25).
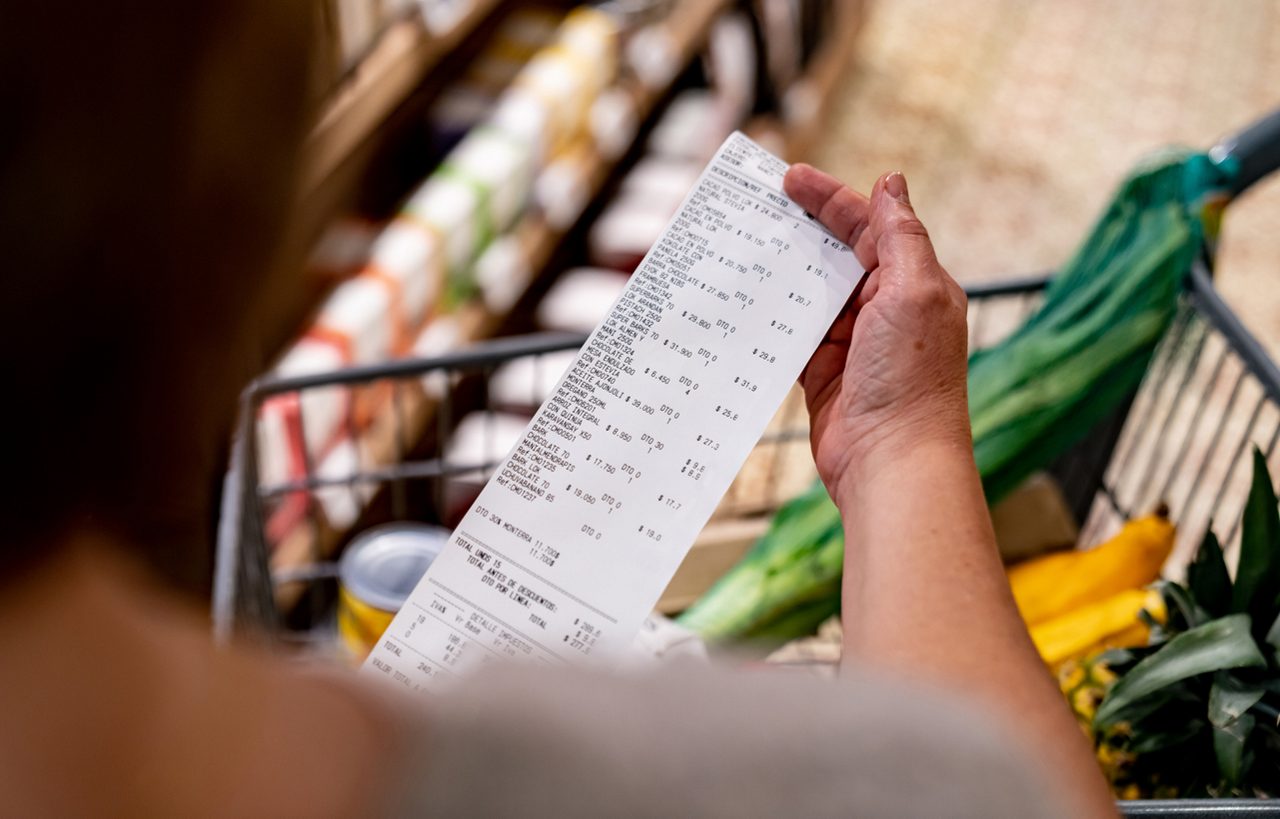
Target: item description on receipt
(579,530)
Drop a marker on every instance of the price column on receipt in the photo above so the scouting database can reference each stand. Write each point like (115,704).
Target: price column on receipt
(582,526)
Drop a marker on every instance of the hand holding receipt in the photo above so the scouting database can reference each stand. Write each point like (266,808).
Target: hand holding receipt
(582,526)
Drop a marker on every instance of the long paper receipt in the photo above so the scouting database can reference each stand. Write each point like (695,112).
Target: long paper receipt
(574,538)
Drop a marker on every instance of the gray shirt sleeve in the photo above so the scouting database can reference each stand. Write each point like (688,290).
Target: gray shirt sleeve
(708,742)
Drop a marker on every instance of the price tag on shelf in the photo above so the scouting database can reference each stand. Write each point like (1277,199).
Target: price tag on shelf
(582,526)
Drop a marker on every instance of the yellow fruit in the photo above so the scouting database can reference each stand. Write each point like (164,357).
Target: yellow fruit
(1055,584)
(1109,623)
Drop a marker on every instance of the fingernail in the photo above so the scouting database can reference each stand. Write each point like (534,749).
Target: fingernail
(896,186)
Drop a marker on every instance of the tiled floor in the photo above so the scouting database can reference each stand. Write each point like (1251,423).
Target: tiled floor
(1014,120)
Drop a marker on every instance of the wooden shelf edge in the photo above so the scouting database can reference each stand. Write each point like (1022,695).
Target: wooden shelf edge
(396,67)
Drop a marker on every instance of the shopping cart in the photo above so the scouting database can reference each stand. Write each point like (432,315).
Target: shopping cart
(1209,392)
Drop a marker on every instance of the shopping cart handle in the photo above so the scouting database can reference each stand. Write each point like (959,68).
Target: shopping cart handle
(1254,152)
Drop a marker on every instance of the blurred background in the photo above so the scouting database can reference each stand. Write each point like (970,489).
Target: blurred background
(1015,120)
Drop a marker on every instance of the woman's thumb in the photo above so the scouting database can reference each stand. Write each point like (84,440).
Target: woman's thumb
(899,234)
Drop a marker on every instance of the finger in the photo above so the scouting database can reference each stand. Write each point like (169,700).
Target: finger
(868,290)
(842,328)
(840,209)
(865,250)
(865,245)
(823,373)
(900,238)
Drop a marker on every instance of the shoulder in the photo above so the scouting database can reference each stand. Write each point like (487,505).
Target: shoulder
(698,741)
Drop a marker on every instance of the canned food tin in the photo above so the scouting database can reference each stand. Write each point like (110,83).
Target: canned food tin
(378,570)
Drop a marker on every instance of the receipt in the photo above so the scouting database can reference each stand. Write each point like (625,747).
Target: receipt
(583,525)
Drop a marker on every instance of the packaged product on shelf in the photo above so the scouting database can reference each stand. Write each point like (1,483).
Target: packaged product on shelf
(523,115)
(411,258)
(563,188)
(624,232)
(542,113)
(733,65)
(692,126)
(377,571)
(363,321)
(353,321)
(502,273)
(342,499)
(652,56)
(663,182)
(561,81)
(500,167)
(483,89)
(282,456)
(613,121)
(441,335)
(592,36)
(567,76)
(653,190)
(450,206)
(580,299)
(480,442)
(442,16)
(297,429)
(522,384)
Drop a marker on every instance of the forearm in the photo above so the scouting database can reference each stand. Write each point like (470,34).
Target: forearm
(925,594)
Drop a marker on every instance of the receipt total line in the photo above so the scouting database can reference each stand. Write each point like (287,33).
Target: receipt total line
(409,646)
(540,578)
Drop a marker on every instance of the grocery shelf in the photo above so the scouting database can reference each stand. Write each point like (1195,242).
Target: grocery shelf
(411,414)
(395,68)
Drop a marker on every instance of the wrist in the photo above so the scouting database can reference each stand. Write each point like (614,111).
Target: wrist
(890,449)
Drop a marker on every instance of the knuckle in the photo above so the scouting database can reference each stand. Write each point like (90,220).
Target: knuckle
(930,294)
(906,223)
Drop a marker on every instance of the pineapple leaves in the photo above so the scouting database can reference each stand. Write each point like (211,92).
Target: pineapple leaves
(1207,576)
(1182,606)
(1216,645)
(1229,747)
(1258,575)
(1229,701)
(1230,698)
(1273,636)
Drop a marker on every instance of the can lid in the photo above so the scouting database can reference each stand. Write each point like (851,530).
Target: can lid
(382,566)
